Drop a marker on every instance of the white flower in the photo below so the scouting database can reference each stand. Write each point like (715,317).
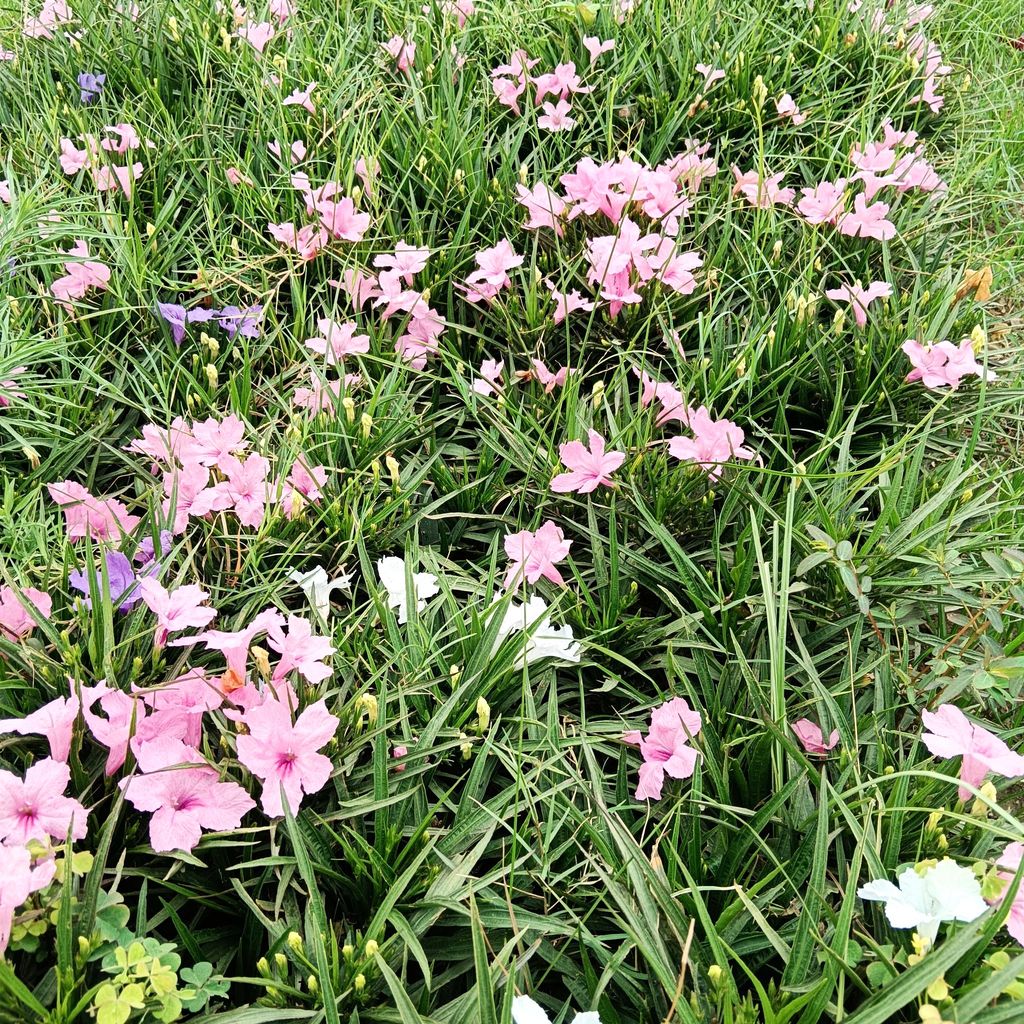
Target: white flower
(392,574)
(544,641)
(526,1011)
(317,587)
(944,892)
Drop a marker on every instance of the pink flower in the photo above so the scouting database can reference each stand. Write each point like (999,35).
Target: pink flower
(507,91)
(561,83)
(406,261)
(18,880)
(338,340)
(544,207)
(55,721)
(123,714)
(711,74)
(566,303)
(297,150)
(181,486)
(359,287)
(342,219)
(666,749)
(302,485)
(491,275)
(213,442)
(80,277)
(824,203)
(399,752)
(86,516)
(257,34)
(15,620)
(867,221)
(490,374)
(1010,859)
(595,47)
(763,194)
(184,701)
(245,490)
(810,736)
(550,380)
(284,755)
(9,388)
(234,646)
(533,554)
(35,807)
(589,469)
(402,51)
(302,98)
(556,117)
(860,298)
(185,800)
(668,396)
(941,364)
(306,241)
(300,650)
(786,107)
(175,610)
(953,734)
(237,177)
(714,443)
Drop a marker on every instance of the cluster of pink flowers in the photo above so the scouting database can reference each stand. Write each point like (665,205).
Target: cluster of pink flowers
(100,519)
(108,174)
(207,468)
(258,34)
(402,51)
(81,275)
(942,364)
(336,214)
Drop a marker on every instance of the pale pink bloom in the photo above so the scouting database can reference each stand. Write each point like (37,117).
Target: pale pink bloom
(15,620)
(556,117)
(519,66)
(860,298)
(123,137)
(566,303)
(594,188)
(589,468)
(234,646)
(421,337)
(876,157)
(620,290)
(867,221)
(281,10)
(668,396)
(491,275)
(185,796)
(811,737)
(402,51)
(393,297)
(297,150)
(336,341)
(490,374)
(398,752)
(301,486)
(307,241)
(763,194)
(460,10)
(595,47)
(359,287)
(185,700)
(561,82)
(80,277)
(321,396)
(666,749)
(714,443)
(711,74)
(942,364)
(177,609)
(51,14)
(283,755)
(533,554)
(549,380)
(672,268)
(72,159)
(786,107)
(342,219)
(244,489)
(507,91)
(1010,859)
(7,55)
(5,192)
(543,206)
(123,713)
(367,169)
(35,807)
(406,261)
(55,721)
(953,734)
(237,177)
(181,487)
(86,516)
(257,34)
(18,880)
(824,203)
(612,255)
(213,441)
(300,650)
(302,98)
(9,388)
(114,177)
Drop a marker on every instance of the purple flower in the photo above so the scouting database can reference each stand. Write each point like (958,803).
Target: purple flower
(91,85)
(174,315)
(120,576)
(200,315)
(241,321)
(146,553)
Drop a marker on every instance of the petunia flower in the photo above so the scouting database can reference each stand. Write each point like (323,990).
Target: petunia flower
(526,1011)
(556,117)
(15,620)
(234,645)
(550,379)
(824,203)
(943,892)
(811,738)
(336,341)
(490,375)
(181,608)
(544,207)
(860,298)
(257,34)
(942,364)
(665,748)
(86,516)
(282,754)
(55,720)
(589,468)
(9,389)
(763,194)
(35,807)
(82,275)
(406,261)
(711,74)
(953,735)
(567,303)
(533,554)
(391,571)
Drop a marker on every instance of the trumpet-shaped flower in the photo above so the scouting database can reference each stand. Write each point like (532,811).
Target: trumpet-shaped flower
(589,468)
(713,444)
(392,575)
(533,554)
(55,720)
(942,364)
(15,620)
(860,298)
(175,610)
(811,738)
(35,807)
(666,749)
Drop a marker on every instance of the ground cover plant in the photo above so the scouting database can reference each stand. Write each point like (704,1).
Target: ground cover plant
(511,511)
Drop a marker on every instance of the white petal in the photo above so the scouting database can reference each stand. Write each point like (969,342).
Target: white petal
(526,1011)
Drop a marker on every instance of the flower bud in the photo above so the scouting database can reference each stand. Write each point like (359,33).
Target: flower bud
(263,967)
(295,942)
(359,982)
(371,948)
(483,710)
